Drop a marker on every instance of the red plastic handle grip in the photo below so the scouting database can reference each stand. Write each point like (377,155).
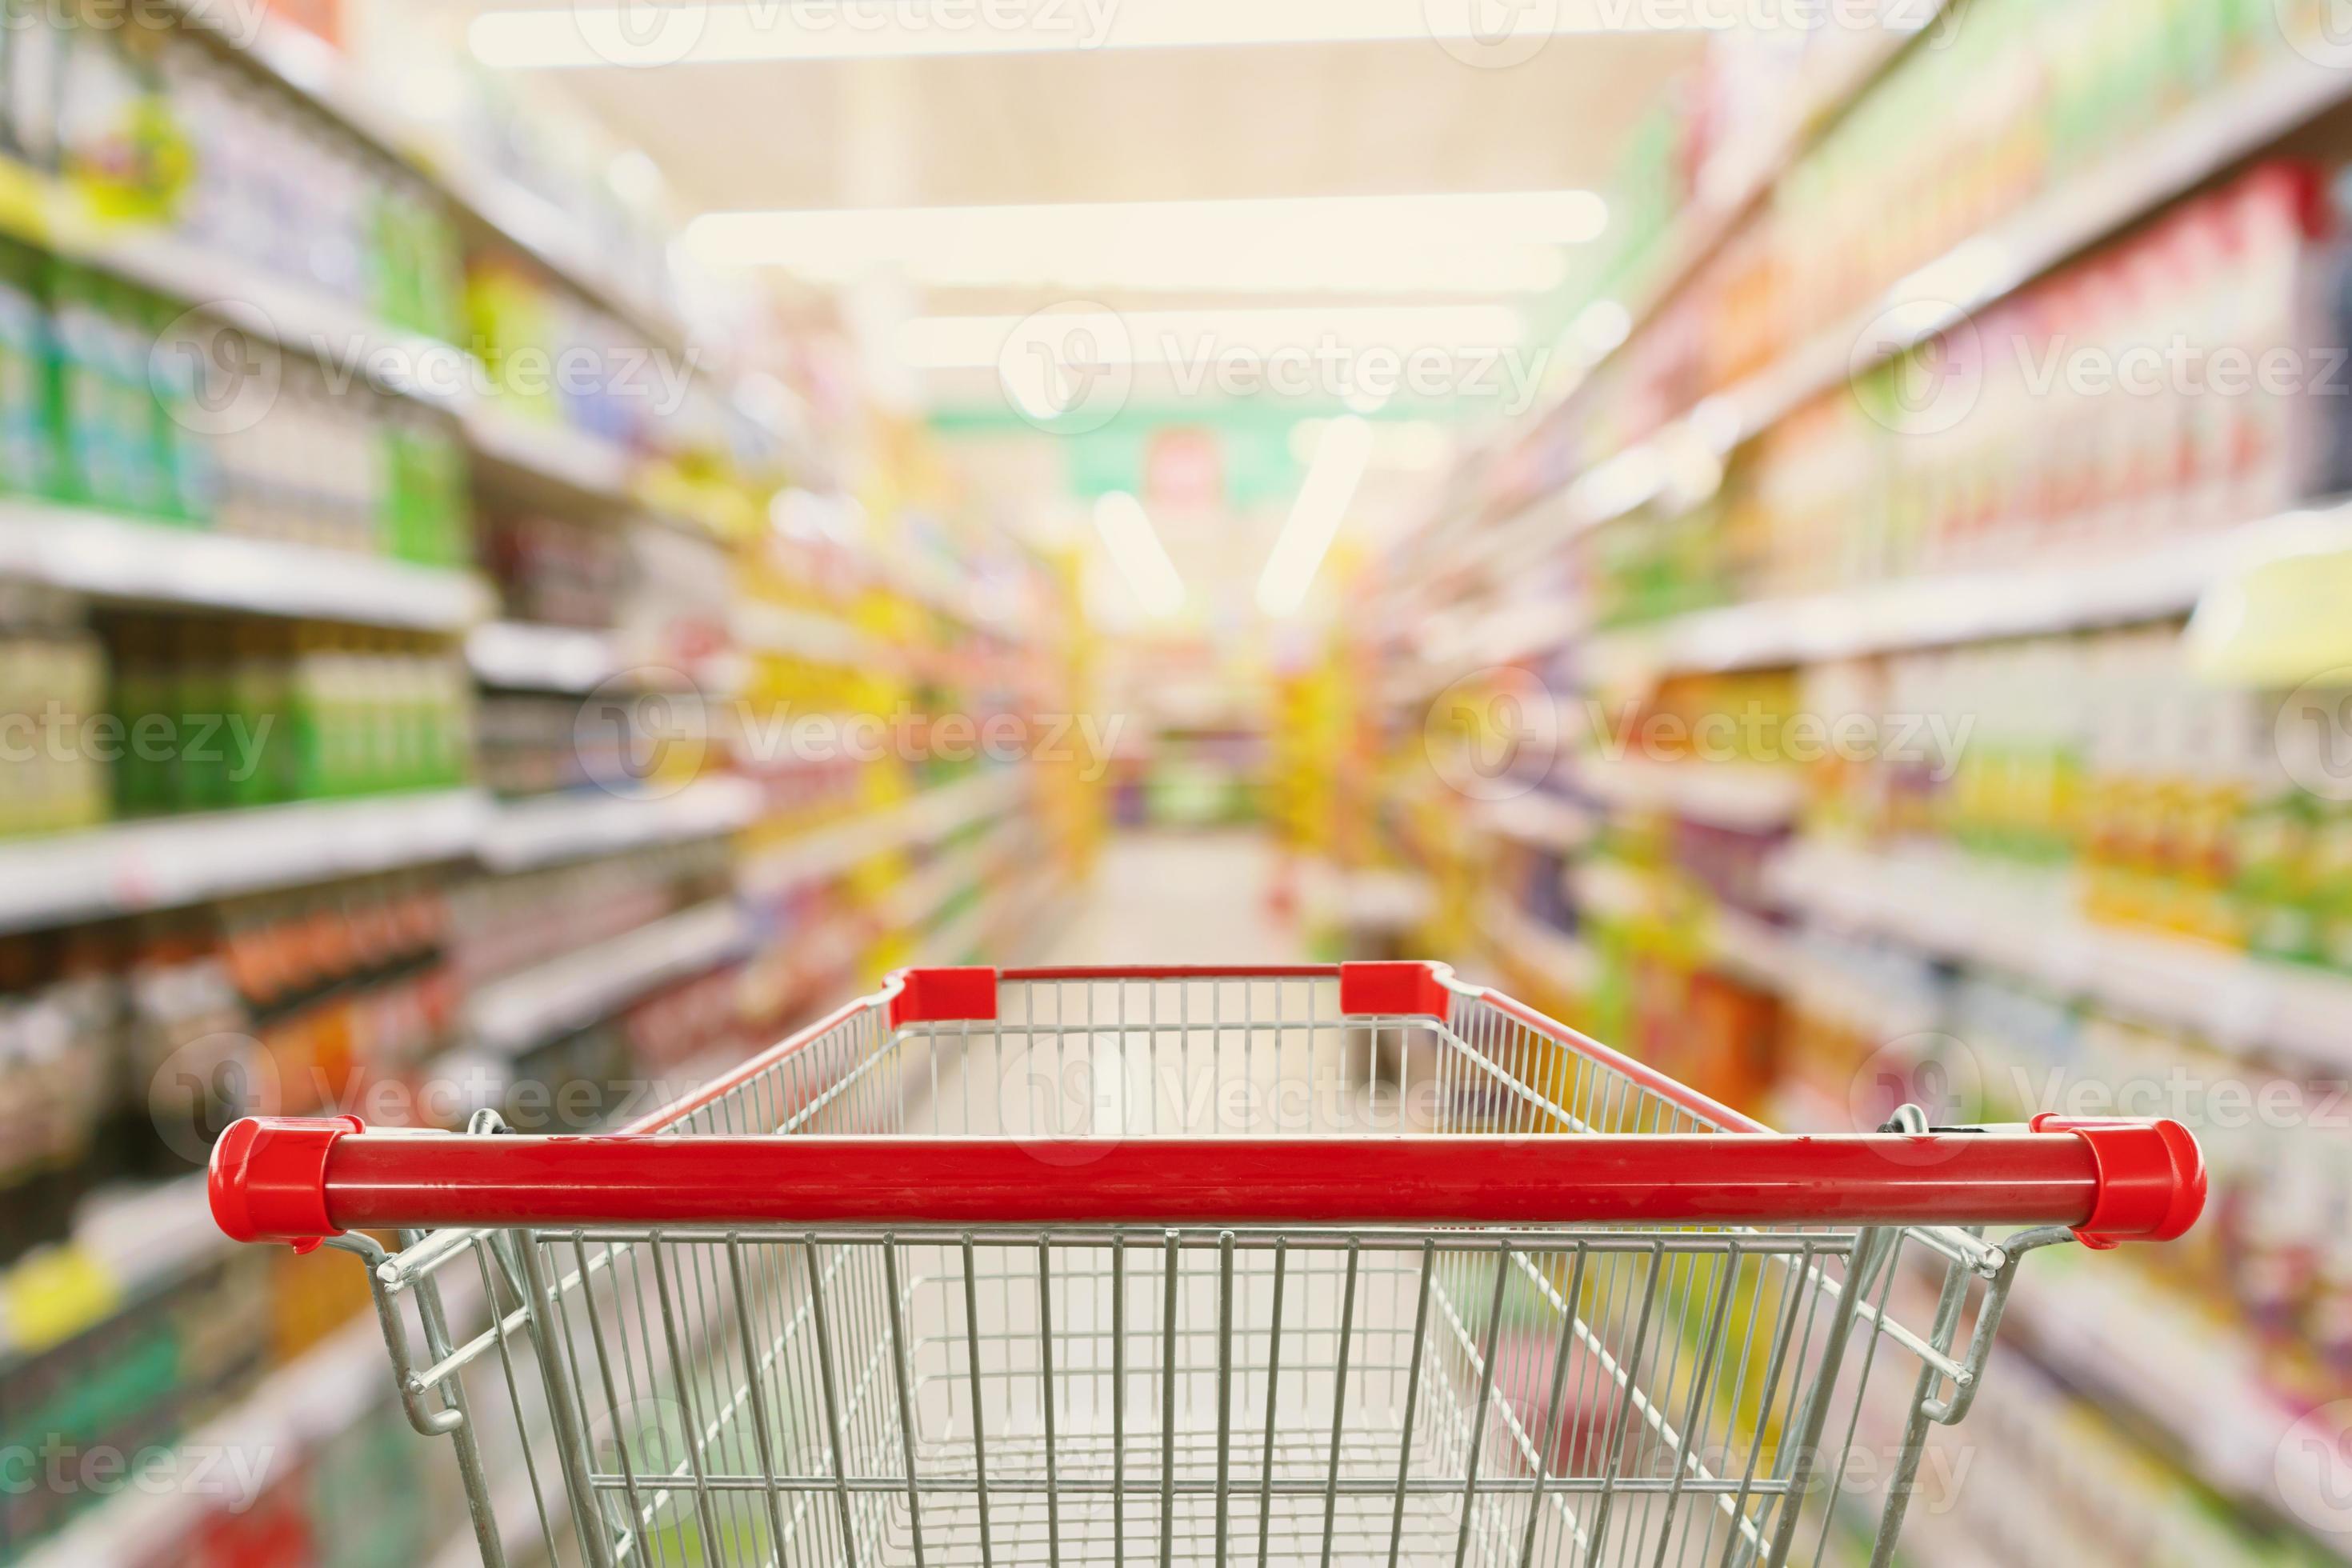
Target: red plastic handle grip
(294,1181)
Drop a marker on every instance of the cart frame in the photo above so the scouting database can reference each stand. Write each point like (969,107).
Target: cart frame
(754,1326)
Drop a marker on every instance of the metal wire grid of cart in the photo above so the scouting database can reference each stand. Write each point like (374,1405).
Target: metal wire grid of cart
(1088,1266)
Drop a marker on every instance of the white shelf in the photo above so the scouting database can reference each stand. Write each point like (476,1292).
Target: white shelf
(1743,797)
(2165,578)
(1524,943)
(512,1014)
(115,557)
(164,864)
(542,230)
(1362,899)
(1729,192)
(1539,819)
(829,851)
(536,658)
(518,835)
(130,1237)
(917,900)
(584,465)
(2193,146)
(1730,940)
(2175,1368)
(318,74)
(297,315)
(2024,921)
(807,634)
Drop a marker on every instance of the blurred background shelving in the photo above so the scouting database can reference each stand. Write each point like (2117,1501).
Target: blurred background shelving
(503,811)
(1912,728)
(551,574)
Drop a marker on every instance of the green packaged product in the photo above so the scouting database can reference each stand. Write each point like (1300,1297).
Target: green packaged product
(29,418)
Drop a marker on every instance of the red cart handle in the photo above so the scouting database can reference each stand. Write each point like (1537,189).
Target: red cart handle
(281,1179)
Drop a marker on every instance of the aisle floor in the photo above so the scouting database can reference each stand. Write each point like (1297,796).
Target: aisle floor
(1181,897)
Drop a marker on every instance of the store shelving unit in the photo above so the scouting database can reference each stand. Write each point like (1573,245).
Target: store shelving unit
(137,560)
(544,657)
(925,818)
(169,862)
(2190,147)
(580,468)
(993,895)
(493,206)
(1525,945)
(128,1240)
(509,1015)
(1746,797)
(1730,190)
(2188,1385)
(309,1400)
(545,829)
(2154,582)
(2024,921)
(132,867)
(1853,945)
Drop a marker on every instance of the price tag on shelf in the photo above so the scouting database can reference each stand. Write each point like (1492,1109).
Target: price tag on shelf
(53,1295)
(26,209)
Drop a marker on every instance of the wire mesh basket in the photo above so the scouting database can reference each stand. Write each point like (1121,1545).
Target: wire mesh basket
(1353,1264)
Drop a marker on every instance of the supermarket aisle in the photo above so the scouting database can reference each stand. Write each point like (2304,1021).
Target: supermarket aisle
(1181,897)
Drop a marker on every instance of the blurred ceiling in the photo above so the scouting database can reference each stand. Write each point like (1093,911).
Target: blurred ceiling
(1397,117)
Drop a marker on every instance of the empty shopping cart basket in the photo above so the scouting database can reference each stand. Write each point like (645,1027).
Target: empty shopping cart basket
(1351,1264)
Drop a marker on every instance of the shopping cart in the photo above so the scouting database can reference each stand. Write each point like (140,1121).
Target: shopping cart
(1353,1264)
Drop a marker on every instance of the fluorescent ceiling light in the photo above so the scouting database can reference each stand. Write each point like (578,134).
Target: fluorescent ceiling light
(1315,516)
(1135,549)
(588,35)
(1477,243)
(1197,337)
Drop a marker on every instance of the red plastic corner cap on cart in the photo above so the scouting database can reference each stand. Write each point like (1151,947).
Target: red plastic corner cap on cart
(268,1178)
(2151,1183)
(945,995)
(1408,988)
